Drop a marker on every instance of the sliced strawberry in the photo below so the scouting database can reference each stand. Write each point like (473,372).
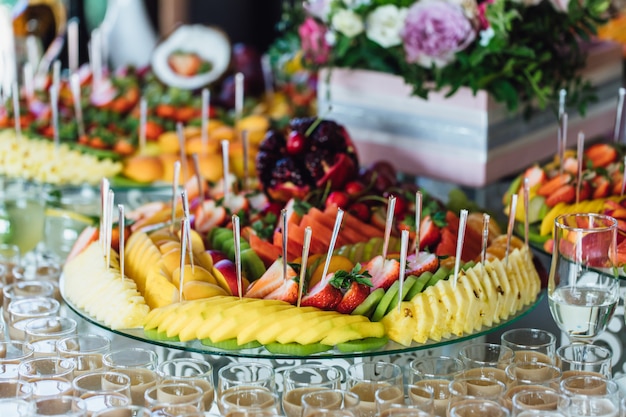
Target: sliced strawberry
(447,244)
(570,164)
(585,191)
(618,180)
(601,187)
(270,281)
(384,272)
(536,175)
(185,64)
(422,262)
(601,154)
(621,253)
(323,295)
(554,184)
(429,232)
(548,246)
(353,297)
(564,194)
(287,292)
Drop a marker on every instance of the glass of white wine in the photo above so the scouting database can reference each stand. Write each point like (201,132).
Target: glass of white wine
(583,286)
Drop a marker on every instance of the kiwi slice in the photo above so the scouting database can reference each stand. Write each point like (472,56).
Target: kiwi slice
(366,308)
(155,334)
(467,265)
(441,273)
(253,267)
(418,287)
(408,283)
(363,345)
(356,254)
(230,344)
(218,236)
(296,349)
(385,302)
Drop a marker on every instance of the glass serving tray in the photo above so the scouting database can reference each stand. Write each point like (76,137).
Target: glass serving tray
(390,348)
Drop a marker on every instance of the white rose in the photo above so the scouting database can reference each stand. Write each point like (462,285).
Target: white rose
(347,23)
(318,8)
(385,24)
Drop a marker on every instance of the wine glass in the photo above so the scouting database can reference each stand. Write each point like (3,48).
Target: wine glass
(583,289)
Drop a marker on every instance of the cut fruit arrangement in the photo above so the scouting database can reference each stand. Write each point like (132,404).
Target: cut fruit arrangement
(357,298)
(553,191)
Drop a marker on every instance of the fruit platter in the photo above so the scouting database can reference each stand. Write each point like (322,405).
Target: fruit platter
(309,257)
(591,184)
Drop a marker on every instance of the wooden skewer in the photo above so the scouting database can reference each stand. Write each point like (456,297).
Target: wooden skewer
(418,220)
(174,195)
(16,110)
(183,254)
(206,99)
(391,207)
(617,129)
(526,204)
(509,230)
(579,155)
(121,224)
(404,243)
(333,240)
(485,242)
(185,202)
(237,237)
(284,226)
(459,245)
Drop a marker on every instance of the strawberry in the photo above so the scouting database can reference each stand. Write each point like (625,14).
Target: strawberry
(447,244)
(601,187)
(554,184)
(421,262)
(585,191)
(356,294)
(323,295)
(429,232)
(384,272)
(356,285)
(209,215)
(564,194)
(287,292)
(535,175)
(601,154)
(272,280)
(570,165)
(185,64)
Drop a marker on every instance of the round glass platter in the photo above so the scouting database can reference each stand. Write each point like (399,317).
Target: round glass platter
(390,348)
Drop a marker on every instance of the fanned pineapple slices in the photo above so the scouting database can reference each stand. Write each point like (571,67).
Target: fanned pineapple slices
(483,296)
(102,292)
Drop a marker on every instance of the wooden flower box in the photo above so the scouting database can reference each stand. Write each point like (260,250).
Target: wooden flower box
(466,139)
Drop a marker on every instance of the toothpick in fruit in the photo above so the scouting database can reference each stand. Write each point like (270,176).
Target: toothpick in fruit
(418,220)
(183,253)
(56,74)
(526,202)
(29,81)
(78,108)
(562,140)
(104,193)
(562,97)
(185,202)
(180,132)
(121,224)
(391,207)
(239,96)
(246,148)
(95,59)
(617,129)
(621,194)
(305,257)
(333,240)
(460,239)
(580,156)
(204,124)
(284,226)
(174,195)
(199,179)
(509,230)
(226,165)
(109,226)
(237,237)
(54,105)
(268,78)
(485,241)
(72,44)
(404,244)
(143,120)
(15,92)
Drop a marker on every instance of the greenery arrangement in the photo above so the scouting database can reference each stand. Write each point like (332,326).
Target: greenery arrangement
(523,52)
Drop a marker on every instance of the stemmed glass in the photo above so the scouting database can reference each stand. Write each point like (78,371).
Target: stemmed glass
(583,287)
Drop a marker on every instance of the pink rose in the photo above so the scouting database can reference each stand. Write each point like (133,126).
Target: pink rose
(313,39)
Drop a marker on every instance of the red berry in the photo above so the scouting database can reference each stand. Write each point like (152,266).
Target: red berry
(400,207)
(295,142)
(354,188)
(361,211)
(338,199)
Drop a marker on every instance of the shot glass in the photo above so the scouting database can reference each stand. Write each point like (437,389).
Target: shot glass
(389,395)
(533,373)
(253,400)
(435,367)
(43,333)
(85,350)
(92,402)
(44,387)
(102,381)
(176,393)
(330,403)
(535,399)
(15,388)
(530,345)
(24,289)
(125,411)
(16,407)
(192,371)
(477,388)
(21,311)
(584,359)
(303,379)
(487,360)
(12,354)
(473,408)
(364,378)
(245,373)
(139,364)
(47,367)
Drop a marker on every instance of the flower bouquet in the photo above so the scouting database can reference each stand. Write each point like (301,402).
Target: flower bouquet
(522,52)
